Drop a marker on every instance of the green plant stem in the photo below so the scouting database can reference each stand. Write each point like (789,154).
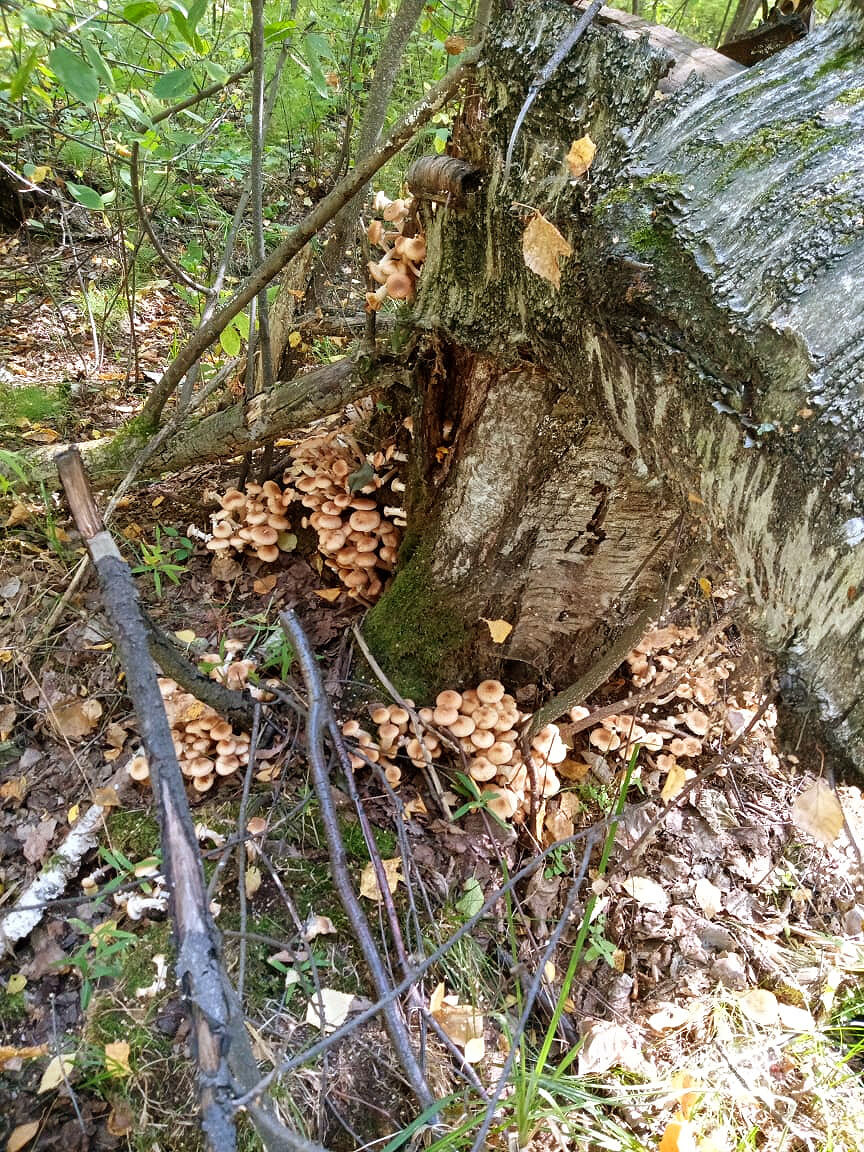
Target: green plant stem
(576,954)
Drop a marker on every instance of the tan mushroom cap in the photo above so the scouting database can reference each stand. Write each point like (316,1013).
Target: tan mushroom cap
(203,783)
(665,762)
(486,716)
(697,722)
(256,825)
(500,753)
(490,691)
(470,701)
(462,726)
(388,734)
(604,739)
(445,716)
(449,699)
(392,774)
(217,544)
(225,765)
(427,715)
(579,712)
(400,285)
(365,520)
(481,769)
(685,746)
(221,730)
(233,499)
(379,713)
(399,715)
(138,768)
(482,738)
(502,801)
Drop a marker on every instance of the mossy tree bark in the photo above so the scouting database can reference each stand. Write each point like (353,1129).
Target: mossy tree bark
(701,356)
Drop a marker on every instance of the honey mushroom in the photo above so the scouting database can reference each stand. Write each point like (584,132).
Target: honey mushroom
(358,543)
(251,521)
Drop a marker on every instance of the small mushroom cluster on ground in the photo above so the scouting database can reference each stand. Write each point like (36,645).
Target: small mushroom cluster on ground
(253,521)
(484,724)
(206,744)
(398,270)
(393,732)
(358,535)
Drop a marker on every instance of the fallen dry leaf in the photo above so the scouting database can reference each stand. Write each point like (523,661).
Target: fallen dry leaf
(605,1046)
(264,584)
(647,893)
(14,790)
(106,797)
(817,813)
(318,926)
(795,1019)
(185,635)
(677,1137)
(56,1071)
(542,247)
(31,1052)
(674,783)
(581,156)
(76,718)
(336,1007)
(499,630)
(36,840)
(8,716)
(708,896)
(121,1119)
(21,1136)
(117,1059)
(252,881)
(331,595)
(760,1006)
(18,514)
(369,883)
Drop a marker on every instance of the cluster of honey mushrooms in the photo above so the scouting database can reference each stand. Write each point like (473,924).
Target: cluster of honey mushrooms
(398,270)
(251,521)
(357,536)
(485,725)
(206,745)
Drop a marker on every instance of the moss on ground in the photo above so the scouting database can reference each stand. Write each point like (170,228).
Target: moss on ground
(135,834)
(415,633)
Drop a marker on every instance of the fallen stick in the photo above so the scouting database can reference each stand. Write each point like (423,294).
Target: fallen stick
(219,1038)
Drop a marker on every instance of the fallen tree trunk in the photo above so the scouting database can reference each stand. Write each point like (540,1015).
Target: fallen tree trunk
(239,428)
(702,356)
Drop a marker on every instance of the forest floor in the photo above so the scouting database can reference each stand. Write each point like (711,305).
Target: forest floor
(717,1004)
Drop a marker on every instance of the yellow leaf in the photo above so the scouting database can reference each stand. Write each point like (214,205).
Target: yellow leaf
(73,813)
(18,515)
(5,655)
(252,881)
(437,998)
(41,436)
(542,247)
(15,789)
(117,1058)
(159,500)
(674,783)
(817,813)
(106,797)
(264,584)
(706,586)
(677,1137)
(39,173)
(21,1136)
(329,594)
(581,156)
(294,340)
(7,1053)
(16,983)
(498,629)
(185,635)
(369,882)
(336,1007)
(685,1083)
(76,718)
(133,531)
(56,1071)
